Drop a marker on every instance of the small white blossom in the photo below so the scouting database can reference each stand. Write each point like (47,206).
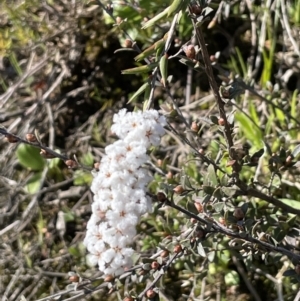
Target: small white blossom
(120,190)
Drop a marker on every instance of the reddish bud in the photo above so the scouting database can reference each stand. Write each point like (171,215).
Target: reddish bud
(74,278)
(221,121)
(201,151)
(128,299)
(169,175)
(71,163)
(196,9)
(155,265)
(199,207)
(195,127)
(30,137)
(164,254)
(177,249)
(46,155)
(238,213)
(97,165)
(289,159)
(11,139)
(109,278)
(161,197)
(190,51)
(178,189)
(159,163)
(128,43)
(150,293)
(213,58)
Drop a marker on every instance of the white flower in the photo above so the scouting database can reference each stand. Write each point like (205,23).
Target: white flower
(120,190)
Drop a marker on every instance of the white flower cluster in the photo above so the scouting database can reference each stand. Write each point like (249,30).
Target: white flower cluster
(119,190)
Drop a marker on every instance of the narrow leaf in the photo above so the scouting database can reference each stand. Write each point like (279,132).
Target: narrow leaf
(139,92)
(163,67)
(140,69)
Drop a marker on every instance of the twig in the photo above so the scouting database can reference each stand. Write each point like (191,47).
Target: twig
(245,236)
(156,279)
(48,150)
(215,89)
(245,278)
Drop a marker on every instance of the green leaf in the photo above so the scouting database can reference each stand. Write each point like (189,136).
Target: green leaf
(140,69)
(74,251)
(139,91)
(232,278)
(163,67)
(292,203)
(176,6)
(29,157)
(156,18)
(87,159)
(33,184)
(211,176)
(251,132)
(200,250)
(82,178)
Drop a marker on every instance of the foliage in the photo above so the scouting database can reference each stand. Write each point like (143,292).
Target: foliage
(225,221)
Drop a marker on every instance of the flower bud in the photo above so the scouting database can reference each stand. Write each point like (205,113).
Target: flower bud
(11,139)
(198,206)
(201,151)
(155,265)
(196,9)
(150,293)
(169,175)
(190,51)
(195,127)
(177,249)
(178,189)
(221,121)
(238,213)
(159,163)
(128,43)
(164,254)
(289,159)
(161,197)
(46,155)
(108,278)
(74,278)
(30,137)
(70,163)
(97,165)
